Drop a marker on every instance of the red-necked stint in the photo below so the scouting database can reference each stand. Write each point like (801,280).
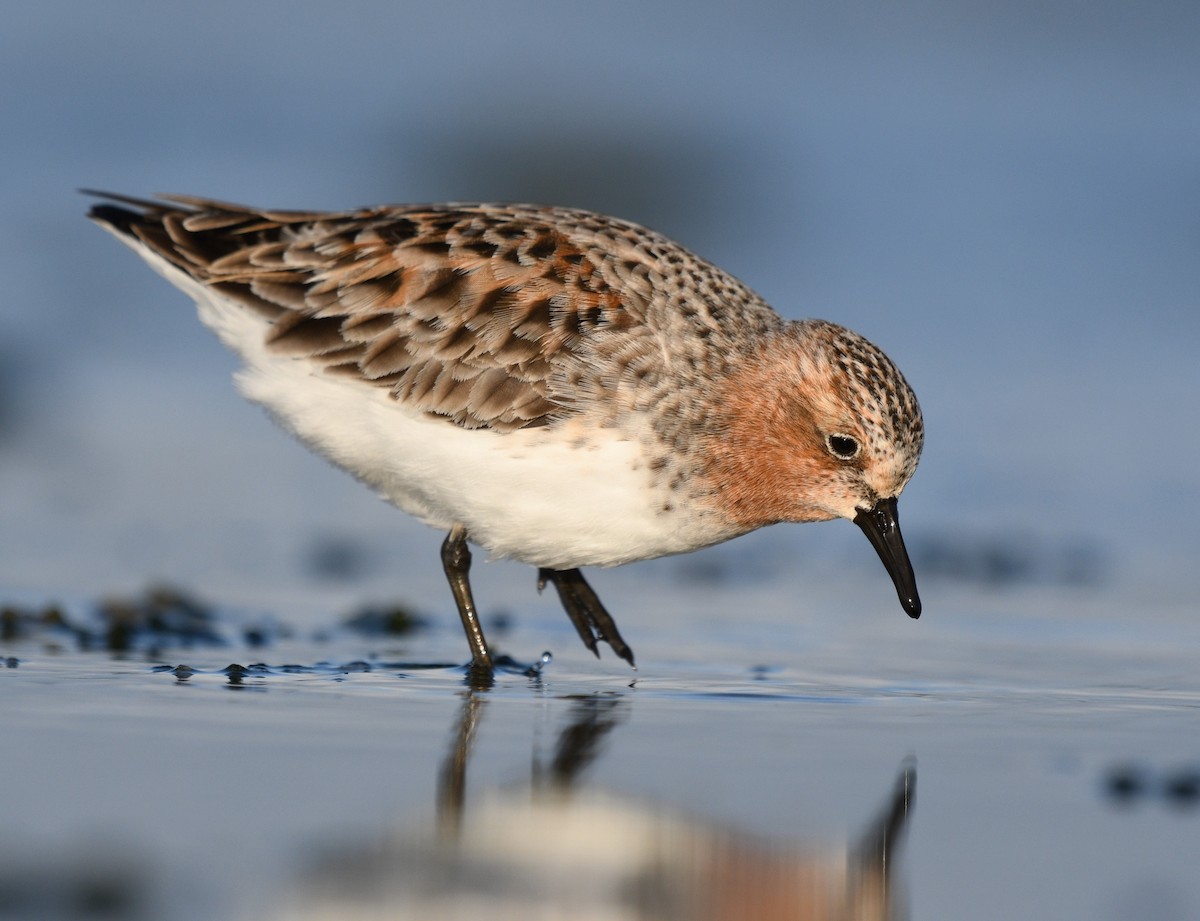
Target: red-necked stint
(558,387)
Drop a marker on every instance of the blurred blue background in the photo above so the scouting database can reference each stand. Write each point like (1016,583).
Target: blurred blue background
(1005,197)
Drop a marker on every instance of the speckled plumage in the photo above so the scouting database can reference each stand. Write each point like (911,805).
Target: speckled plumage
(565,388)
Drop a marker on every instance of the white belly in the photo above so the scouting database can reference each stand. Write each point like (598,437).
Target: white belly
(540,495)
(560,497)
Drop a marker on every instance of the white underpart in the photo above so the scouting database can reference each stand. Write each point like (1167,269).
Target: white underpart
(561,497)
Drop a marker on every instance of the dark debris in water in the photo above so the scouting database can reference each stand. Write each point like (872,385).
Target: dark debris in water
(163,618)
(385,620)
(1127,784)
(1183,788)
(83,882)
(160,617)
(20,623)
(234,672)
(237,674)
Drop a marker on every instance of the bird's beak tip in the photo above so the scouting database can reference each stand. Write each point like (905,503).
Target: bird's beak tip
(881,524)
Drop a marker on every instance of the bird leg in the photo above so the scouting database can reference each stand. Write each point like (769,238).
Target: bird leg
(456,560)
(586,611)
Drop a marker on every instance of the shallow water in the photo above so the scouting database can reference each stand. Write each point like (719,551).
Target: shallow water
(1053,753)
(999,199)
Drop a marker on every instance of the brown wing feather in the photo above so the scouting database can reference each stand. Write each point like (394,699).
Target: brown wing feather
(461,311)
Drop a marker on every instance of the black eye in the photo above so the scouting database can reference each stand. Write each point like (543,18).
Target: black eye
(842,446)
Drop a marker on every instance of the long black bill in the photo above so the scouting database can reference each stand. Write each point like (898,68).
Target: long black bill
(882,527)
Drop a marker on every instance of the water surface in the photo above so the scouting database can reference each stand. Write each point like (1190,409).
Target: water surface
(1049,749)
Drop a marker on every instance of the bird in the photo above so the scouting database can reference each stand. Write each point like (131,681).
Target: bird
(552,385)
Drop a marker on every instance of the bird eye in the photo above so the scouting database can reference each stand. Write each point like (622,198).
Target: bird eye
(842,446)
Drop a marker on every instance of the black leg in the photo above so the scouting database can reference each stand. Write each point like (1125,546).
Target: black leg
(583,625)
(456,560)
(586,611)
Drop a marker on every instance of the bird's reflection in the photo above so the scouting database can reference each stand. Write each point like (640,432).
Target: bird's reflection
(561,850)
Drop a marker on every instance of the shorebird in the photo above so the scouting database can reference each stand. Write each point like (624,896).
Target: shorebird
(559,387)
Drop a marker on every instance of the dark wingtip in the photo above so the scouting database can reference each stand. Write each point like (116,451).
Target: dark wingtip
(116,217)
(110,212)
